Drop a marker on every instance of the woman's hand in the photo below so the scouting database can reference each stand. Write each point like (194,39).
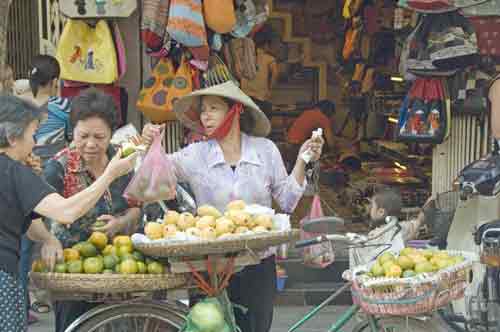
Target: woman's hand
(113,225)
(52,252)
(150,131)
(316,146)
(119,166)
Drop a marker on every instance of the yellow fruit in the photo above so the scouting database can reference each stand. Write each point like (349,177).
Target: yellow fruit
(142,268)
(260,229)
(387,265)
(208,234)
(224,225)
(169,231)
(110,250)
(417,258)
(407,251)
(121,240)
(99,240)
(155,268)
(208,210)
(124,250)
(394,271)
(38,266)
(240,218)
(424,267)
(428,253)
(444,263)
(385,257)
(88,250)
(75,267)
(171,217)
(153,230)
(186,220)
(241,230)
(193,231)
(71,254)
(405,262)
(206,221)
(236,205)
(264,221)
(92,265)
(128,266)
(377,270)
(441,255)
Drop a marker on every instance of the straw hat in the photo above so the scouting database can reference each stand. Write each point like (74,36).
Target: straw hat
(188,112)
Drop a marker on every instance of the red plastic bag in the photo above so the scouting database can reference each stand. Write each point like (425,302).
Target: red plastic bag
(155,179)
(318,255)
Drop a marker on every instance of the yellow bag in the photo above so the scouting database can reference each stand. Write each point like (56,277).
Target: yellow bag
(163,88)
(87,54)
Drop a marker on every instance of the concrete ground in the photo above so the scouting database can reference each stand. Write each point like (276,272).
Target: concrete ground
(284,318)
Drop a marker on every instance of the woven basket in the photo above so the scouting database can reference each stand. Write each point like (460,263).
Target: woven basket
(239,243)
(106,283)
(412,296)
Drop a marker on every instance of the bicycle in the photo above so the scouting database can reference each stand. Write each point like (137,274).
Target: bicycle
(421,323)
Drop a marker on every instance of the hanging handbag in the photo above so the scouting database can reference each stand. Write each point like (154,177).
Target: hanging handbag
(120,51)
(96,8)
(469,92)
(154,22)
(87,54)
(240,55)
(488,34)
(186,23)
(163,88)
(220,15)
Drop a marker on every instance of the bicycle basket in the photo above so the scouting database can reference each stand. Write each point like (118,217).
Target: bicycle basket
(439,215)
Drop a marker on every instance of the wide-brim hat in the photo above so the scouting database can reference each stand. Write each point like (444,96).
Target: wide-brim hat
(187,108)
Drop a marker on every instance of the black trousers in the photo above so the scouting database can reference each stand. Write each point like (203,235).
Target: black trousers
(253,288)
(67,312)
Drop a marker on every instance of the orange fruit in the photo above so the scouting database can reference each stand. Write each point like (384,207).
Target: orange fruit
(71,254)
(122,240)
(99,240)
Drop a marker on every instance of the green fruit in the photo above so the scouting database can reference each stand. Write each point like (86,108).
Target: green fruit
(424,267)
(110,262)
(88,250)
(155,268)
(127,257)
(405,262)
(99,224)
(128,267)
(75,267)
(138,256)
(377,270)
(141,268)
(149,260)
(79,246)
(118,268)
(385,257)
(93,265)
(127,149)
(409,274)
(61,268)
(108,271)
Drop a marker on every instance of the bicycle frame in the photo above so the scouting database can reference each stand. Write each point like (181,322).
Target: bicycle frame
(344,319)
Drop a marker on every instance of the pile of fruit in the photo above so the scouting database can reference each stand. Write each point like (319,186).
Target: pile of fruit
(97,255)
(209,223)
(412,262)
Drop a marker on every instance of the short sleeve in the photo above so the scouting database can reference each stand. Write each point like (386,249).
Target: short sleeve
(30,188)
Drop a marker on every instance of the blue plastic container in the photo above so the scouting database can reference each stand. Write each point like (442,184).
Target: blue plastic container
(280,283)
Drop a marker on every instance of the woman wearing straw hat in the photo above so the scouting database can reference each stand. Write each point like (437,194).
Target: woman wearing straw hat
(237,162)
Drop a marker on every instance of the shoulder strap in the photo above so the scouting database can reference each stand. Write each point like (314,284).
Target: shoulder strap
(496,78)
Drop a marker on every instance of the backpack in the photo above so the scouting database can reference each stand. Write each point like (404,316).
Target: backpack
(425,114)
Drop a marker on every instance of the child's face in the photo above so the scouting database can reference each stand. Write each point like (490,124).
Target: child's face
(376,213)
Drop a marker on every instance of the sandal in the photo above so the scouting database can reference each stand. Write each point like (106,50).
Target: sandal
(40,307)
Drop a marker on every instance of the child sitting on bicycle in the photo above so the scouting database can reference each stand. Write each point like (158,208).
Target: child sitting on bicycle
(385,205)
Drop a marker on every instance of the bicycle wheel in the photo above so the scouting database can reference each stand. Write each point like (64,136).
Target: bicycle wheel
(402,324)
(133,318)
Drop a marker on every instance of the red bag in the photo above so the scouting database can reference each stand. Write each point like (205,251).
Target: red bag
(318,255)
(488,34)
(155,180)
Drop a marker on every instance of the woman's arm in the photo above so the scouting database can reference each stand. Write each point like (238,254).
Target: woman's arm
(67,210)
(52,250)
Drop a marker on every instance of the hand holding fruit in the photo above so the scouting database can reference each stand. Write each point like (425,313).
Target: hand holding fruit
(121,166)
(112,225)
(52,252)
(150,131)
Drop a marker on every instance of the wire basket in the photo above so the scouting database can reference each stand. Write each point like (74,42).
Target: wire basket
(439,215)
(421,294)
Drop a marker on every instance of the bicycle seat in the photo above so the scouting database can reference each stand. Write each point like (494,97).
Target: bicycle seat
(478,235)
(323,225)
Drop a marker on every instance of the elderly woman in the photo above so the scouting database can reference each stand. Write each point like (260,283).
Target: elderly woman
(75,168)
(24,195)
(237,162)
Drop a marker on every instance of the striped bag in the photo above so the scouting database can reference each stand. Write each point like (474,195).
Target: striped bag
(154,22)
(186,24)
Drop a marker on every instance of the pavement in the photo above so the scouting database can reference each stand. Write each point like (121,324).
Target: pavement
(284,318)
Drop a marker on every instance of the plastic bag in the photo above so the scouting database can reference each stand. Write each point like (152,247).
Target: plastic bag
(155,180)
(318,255)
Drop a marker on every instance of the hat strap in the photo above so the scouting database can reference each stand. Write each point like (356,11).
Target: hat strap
(223,130)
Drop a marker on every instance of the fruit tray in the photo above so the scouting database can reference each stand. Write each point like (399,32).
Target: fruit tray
(415,295)
(240,242)
(106,283)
